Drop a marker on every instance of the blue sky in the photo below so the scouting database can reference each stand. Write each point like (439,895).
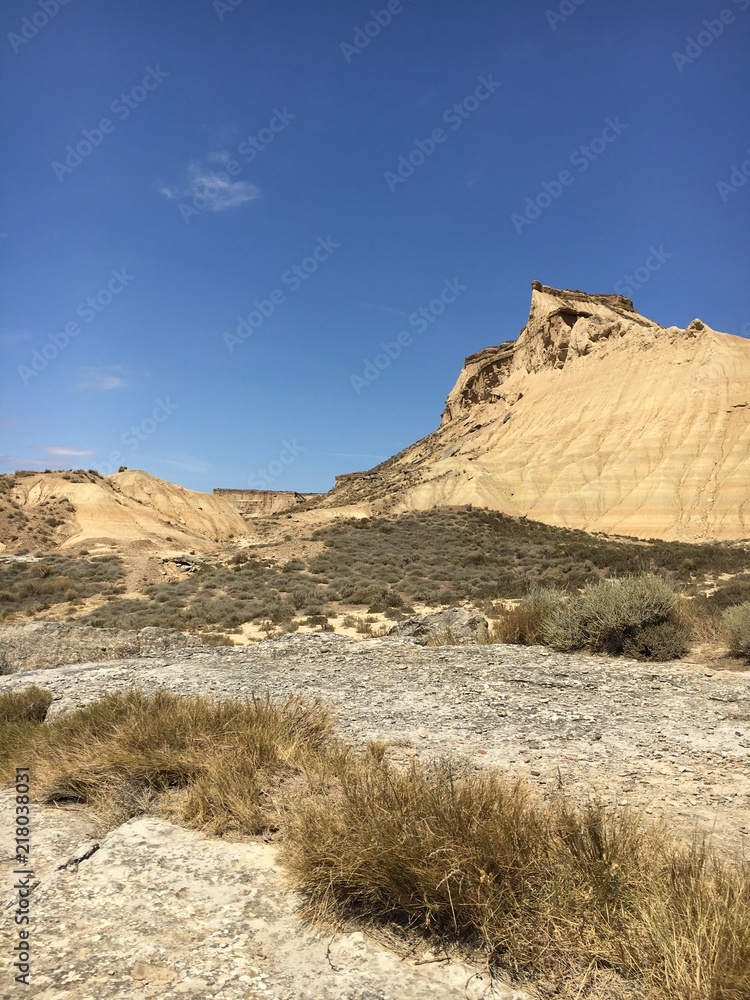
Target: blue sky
(175,168)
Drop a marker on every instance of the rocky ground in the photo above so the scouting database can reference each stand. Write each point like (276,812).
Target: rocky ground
(160,912)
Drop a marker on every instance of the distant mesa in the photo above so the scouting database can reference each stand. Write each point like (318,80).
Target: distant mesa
(262,503)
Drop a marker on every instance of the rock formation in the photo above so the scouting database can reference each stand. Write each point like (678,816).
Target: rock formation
(595,418)
(126,507)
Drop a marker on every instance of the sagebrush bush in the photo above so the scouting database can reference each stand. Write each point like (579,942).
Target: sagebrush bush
(34,587)
(736,622)
(667,641)
(613,614)
(562,628)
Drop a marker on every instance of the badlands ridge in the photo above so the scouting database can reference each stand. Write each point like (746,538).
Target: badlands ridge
(594,418)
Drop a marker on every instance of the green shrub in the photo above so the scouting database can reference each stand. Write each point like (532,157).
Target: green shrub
(562,628)
(737,627)
(667,641)
(610,614)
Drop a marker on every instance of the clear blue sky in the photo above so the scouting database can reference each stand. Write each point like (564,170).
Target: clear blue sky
(215,146)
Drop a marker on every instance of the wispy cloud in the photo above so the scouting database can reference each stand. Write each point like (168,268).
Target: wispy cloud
(213,187)
(189,463)
(101,379)
(14,338)
(18,462)
(64,451)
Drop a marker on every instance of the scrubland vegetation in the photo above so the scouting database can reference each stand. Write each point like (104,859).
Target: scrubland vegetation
(34,587)
(547,892)
(443,558)
(439,558)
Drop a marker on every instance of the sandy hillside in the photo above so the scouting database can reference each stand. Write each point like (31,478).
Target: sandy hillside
(128,506)
(595,418)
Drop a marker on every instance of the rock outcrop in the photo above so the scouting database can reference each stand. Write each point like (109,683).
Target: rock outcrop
(454,626)
(594,418)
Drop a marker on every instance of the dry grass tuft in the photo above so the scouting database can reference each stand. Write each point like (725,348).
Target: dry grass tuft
(208,764)
(523,623)
(543,890)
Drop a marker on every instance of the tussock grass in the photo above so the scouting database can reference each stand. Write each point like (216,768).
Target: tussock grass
(28,705)
(207,764)
(21,713)
(543,890)
(522,624)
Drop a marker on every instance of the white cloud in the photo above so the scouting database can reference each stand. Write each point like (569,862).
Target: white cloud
(62,450)
(213,188)
(101,379)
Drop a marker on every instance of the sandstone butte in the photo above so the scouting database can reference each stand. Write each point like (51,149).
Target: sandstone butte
(594,418)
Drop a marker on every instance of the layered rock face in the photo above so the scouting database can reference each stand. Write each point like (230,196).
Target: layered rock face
(131,506)
(595,418)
